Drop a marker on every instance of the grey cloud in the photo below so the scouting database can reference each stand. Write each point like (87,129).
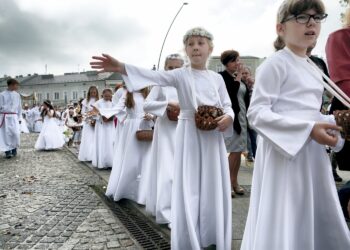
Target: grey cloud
(27,37)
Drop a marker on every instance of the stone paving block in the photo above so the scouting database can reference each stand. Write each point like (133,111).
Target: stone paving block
(113,244)
(56,211)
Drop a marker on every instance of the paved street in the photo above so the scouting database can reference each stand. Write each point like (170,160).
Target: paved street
(46,203)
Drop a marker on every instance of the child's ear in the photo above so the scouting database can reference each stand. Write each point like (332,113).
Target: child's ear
(280,29)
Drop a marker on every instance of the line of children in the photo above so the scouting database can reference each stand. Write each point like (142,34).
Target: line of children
(201,197)
(158,102)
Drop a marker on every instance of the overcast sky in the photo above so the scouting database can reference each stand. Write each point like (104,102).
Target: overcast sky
(64,34)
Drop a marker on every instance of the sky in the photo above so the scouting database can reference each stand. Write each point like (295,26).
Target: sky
(58,36)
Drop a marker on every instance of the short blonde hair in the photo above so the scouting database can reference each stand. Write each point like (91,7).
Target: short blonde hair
(199,31)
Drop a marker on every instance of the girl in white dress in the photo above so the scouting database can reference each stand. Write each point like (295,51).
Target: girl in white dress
(160,99)
(50,136)
(201,198)
(87,136)
(131,156)
(294,202)
(102,153)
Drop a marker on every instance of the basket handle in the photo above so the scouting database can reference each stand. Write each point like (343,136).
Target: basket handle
(331,86)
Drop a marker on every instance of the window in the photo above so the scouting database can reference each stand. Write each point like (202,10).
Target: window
(75,95)
(39,97)
(48,96)
(84,93)
(219,68)
(57,96)
(65,98)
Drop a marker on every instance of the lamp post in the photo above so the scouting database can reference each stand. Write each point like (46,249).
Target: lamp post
(166,35)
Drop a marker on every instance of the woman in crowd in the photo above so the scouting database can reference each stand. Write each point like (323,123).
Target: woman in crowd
(239,95)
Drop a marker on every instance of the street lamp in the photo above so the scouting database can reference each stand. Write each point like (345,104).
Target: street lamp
(161,50)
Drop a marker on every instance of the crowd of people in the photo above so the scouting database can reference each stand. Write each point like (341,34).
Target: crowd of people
(183,165)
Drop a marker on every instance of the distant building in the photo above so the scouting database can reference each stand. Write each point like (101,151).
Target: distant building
(251,61)
(62,89)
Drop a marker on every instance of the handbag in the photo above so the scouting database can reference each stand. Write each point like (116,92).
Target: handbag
(145,131)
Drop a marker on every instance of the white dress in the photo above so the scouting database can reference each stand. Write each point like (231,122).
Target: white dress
(50,136)
(201,198)
(37,119)
(10,114)
(294,202)
(24,126)
(158,202)
(120,118)
(88,132)
(102,152)
(130,162)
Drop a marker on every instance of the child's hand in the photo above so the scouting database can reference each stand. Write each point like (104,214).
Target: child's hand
(320,133)
(148,117)
(173,106)
(106,63)
(93,112)
(224,122)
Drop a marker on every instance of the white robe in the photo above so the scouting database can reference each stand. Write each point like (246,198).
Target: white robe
(87,135)
(10,115)
(102,153)
(27,118)
(37,119)
(201,198)
(131,158)
(50,136)
(158,202)
(294,202)
(118,128)
(24,126)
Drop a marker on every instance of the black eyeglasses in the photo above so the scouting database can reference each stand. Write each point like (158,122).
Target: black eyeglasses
(305,18)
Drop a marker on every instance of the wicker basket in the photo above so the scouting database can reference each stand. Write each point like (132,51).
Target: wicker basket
(144,135)
(342,118)
(173,114)
(206,115)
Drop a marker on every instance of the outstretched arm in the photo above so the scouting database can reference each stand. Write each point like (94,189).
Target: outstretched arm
(106,63)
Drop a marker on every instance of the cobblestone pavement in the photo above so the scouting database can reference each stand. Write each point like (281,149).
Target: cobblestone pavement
(46,203)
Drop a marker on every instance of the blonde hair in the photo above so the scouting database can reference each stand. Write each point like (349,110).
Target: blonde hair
(346,18)
(199,31)
(294,8)
(129,100)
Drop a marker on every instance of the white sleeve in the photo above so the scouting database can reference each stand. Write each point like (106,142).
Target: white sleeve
(138,78)
(118,110)
(287,135)
(19,108)
(156,102)
(84,108)
(2,102)
(340,143)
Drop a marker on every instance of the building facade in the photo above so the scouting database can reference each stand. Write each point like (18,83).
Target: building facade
(62,89)
(251,61)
